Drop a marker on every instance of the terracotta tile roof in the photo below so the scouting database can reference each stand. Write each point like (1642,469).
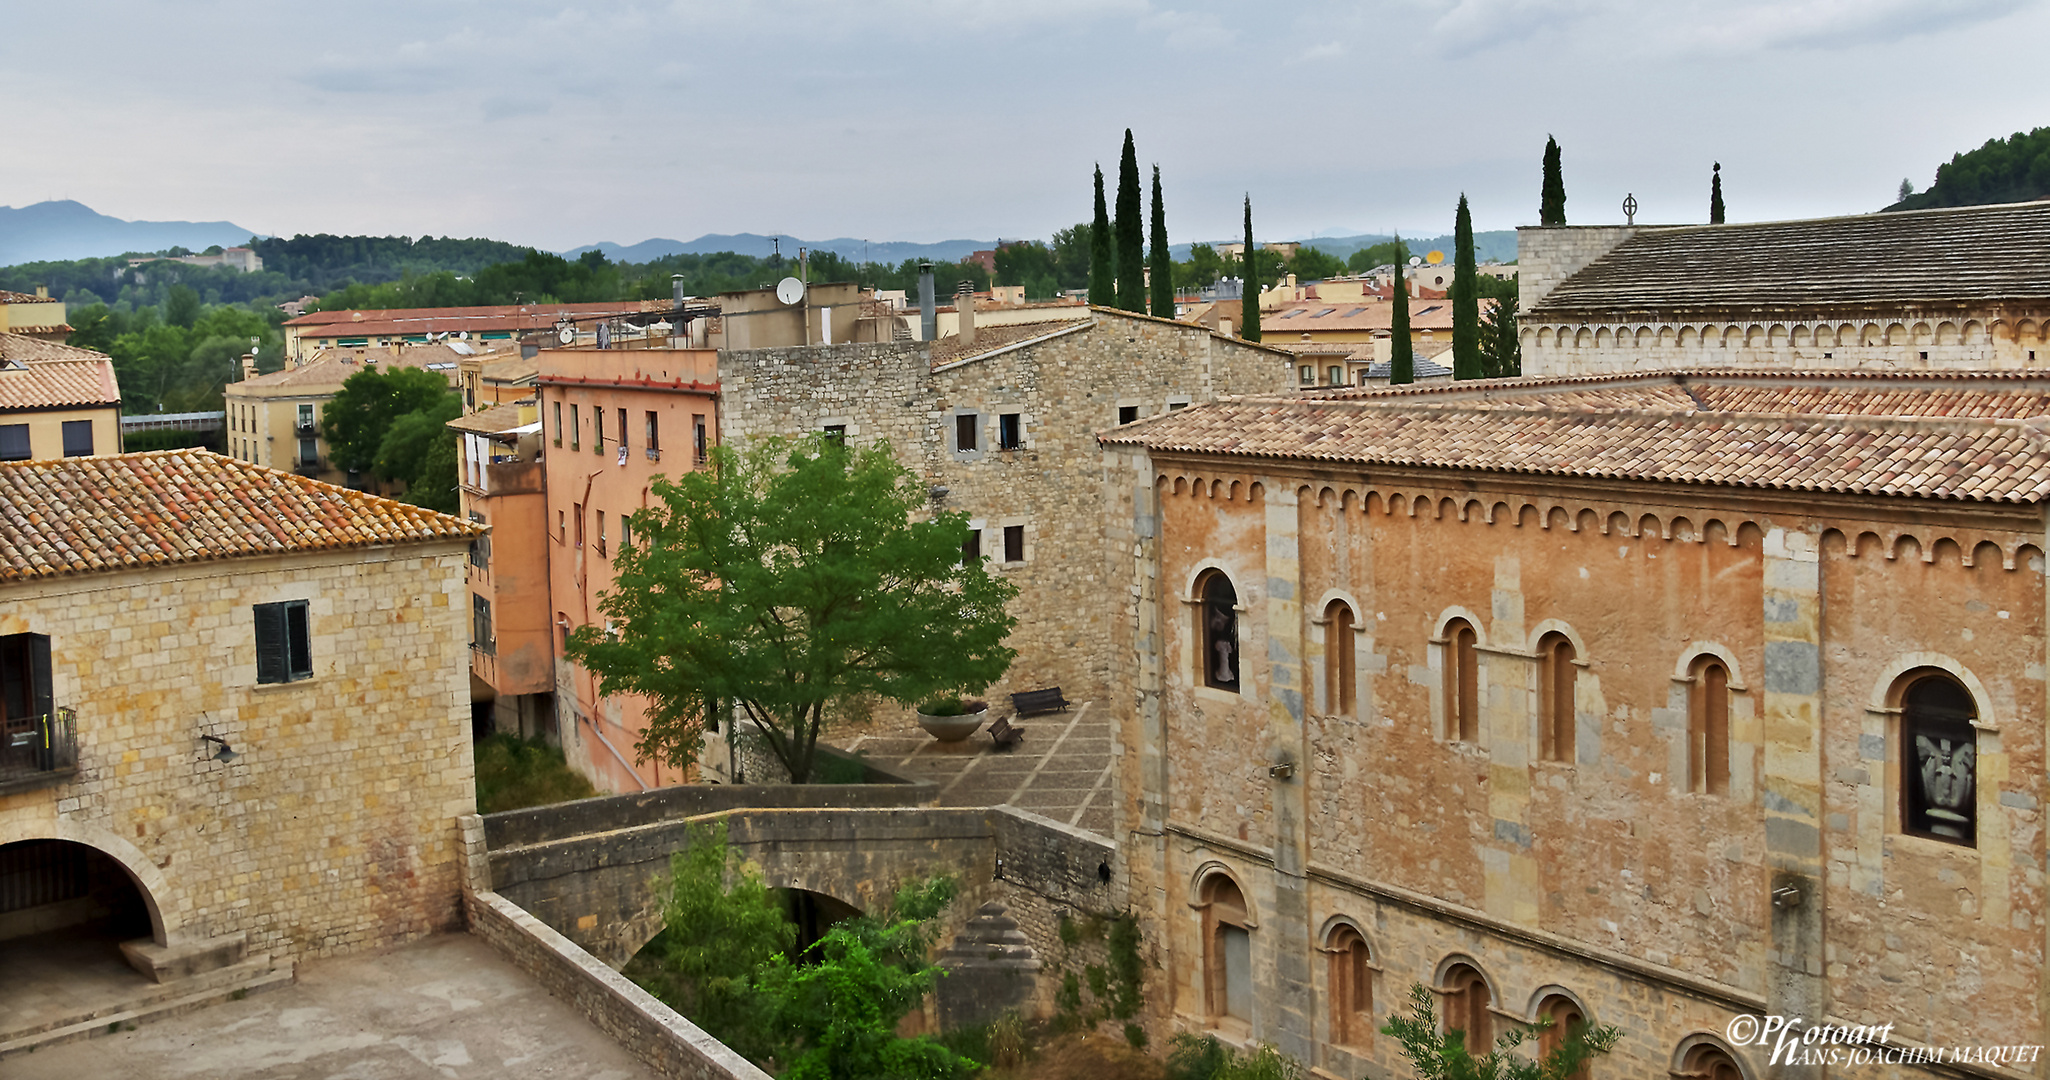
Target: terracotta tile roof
(131,511)
(329,368)
(75,377)
(948,350)
(489,421)
(1299,316)
(1978,436)
(7,297)
(1964,254)
(356,323)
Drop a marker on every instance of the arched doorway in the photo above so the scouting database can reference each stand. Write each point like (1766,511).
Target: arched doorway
(813,914)
(65,909)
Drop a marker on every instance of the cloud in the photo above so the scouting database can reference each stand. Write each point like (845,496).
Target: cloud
(1718,26)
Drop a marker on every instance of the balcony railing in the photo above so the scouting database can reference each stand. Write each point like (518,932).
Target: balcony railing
(307,467)
(39,751)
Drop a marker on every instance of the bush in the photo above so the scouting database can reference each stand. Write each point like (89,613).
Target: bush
(952,706)
(513,773)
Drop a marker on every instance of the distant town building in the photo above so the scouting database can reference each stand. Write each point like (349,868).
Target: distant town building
(235,258)
(501,323)
(512,646)
(34,315)
(56,401)
(274,419)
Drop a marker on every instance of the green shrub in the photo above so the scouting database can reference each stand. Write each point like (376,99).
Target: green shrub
(513,773)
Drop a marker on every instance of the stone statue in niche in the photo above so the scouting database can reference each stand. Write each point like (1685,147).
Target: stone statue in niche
(1945,767)
(1224,642)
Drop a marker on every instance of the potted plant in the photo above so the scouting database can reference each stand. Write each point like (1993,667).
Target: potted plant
(951,719)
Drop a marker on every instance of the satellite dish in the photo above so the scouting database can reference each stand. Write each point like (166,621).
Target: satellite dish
(1415,260)
(567,334)
(1435,257)
(790,290)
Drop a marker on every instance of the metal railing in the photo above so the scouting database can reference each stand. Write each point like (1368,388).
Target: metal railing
(39,751)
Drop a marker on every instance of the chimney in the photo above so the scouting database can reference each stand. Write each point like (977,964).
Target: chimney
(928,315)
(248,366)
(42,292)
(676,290)
(964,310)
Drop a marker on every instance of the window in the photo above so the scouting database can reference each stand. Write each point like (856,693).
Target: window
(1706,1061)
(561,526)
(1127,414)
(1227,951)
(1462,683)
(1177,406)
(654,440)
(480,626)
(309,452)
(1466,1007)
(1335,375)
(971,548)
(1217,627)
(306,417)
(480,548)
(1708,728)
(1014,543)
(1566,1019)
(836,434)
(14,442)
(1939,766)
(558,423)
(26,689)
(1339,689)
(698,436)
(622,429)
(626,531)
(284,650)
(965,441)
(1010,431)
(597,430)
(576,512)
(1307,374)
(78,438)
(1352,987)
(601,532)
(1556,672)
(576,428)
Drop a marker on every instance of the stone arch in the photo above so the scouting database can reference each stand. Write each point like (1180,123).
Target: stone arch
(1527,514)
(2026,329)
(1446,617)
(1946,333)
(1689,1054)
(1648,525)
(1562,628)
(1681,529)
(1904,544)
(1619,523)
(1716,528)
(1603,339)
(1974,332)
(1666,337)
(1529,337)
(1892,680)
(1683,668)
(1983,550)
(1688,337)
(1447,509)
(1923,333)
(1496,511)
(1945,548)
(1584,339)
(1644,337)
(1864,543)
(1587,521)
(1472,507)
(1777,337)
(1554,990)
(166,911)
(1871,336)
(1204,882)
(1754,336)
(2028,556)
(1557,517)
(1190,592)
(1256,491)
(1801,337)
(1896,334)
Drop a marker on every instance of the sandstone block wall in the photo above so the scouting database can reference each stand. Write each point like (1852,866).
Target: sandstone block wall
(335,827)
(1549,254)
(1899,339)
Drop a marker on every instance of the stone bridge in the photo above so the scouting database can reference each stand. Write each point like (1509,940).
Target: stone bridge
(590,869)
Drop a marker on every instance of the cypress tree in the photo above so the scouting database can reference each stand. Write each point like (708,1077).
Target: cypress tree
(1401,353)
(1552,204)
(1131,235)
(1102,276)
(1715,195)
(1466,301)
(1162,265)
(1249,304)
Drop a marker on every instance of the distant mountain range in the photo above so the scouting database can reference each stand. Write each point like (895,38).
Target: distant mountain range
(1496,246)
(65,230)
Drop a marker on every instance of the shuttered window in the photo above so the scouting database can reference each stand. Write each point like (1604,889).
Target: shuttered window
(78,438)
(14,442)
(284,650)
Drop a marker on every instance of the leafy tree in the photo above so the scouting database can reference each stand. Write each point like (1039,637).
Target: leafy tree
(364,410)
(1715,195)
(1401,351)
(1447,1057)
(2014,169)
(1031,264)
(1501,351)
(1387,252)
(182,307)
(1552,203)
(1907,188)
(1103,289)
(1162,263)
(419,450)
(1249,313)
(1130,232)
(1466,312)
(1202,1057)
(808,585)
(1202,269)
(1314,264)
(1073,252)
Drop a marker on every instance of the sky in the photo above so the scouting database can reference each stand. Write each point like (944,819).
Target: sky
(558,125)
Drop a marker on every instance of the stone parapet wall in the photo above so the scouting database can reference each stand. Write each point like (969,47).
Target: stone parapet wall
(1548,255)
(652,1031)
(1904,340)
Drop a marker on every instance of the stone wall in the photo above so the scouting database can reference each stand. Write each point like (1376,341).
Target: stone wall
(1549,254)
(655,1033)
(1065,388)
(1897,339)
(334,826)
(1606,876)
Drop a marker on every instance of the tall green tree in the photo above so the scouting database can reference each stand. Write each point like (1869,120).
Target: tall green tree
(1103,287)
(1552,202)
(1501,350)
(1161,263)
(1466,311)
(1436,1055)
(2014,169)
(1131,232)
(368,405)
(1715,195)
(1249,307)
(808,585)
(1401,351)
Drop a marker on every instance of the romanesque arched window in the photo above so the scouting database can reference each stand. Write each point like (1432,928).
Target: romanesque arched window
(1565,1017)
(1466,1007)
(1352,986)
(1462,682)
(1939,759)
(1340,691)
(1708,728)
(1227,951)
(1707,1061)
(1556,674)
(1217,627)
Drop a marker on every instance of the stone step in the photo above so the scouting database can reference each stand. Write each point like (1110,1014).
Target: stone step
(251,976)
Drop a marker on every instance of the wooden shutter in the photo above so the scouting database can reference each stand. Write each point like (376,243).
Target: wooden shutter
(270,643)
(42,699)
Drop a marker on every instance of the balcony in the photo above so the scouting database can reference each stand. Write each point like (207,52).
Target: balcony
(307,467)
(39,751)
(306,427)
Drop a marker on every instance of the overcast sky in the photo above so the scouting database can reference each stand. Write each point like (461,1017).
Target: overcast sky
(558,125)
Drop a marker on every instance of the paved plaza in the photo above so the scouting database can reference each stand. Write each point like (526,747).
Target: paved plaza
(1060,771)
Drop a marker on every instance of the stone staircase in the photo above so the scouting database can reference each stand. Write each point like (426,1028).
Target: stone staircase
(186,978)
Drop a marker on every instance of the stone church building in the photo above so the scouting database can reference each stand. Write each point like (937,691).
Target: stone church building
(1956,288)
(1651,700)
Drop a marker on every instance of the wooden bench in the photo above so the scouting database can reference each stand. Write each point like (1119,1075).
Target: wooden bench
(1039,701)
(1004,734)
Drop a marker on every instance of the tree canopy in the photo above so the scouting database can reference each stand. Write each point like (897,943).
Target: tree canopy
(1161,264)
(1466,312)
(1552,200)
(1444,1055)
(787,579)
(1130,232)
(2014,169)
(1103,285)
(367,407)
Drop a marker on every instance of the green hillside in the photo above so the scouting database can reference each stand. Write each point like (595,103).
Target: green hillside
(2014,169)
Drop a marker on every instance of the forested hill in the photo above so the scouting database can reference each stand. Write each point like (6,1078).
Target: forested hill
(2014,169)
(327,262)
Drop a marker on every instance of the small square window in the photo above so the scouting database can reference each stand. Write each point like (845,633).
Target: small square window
(971,548)
(1014,543)
(1127,414)
(836,433)
(78,438)
(284,650)
(1010,431)
(965,435)
(14,442)
(1307,374)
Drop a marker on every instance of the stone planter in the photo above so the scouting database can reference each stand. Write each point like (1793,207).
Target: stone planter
(953,729)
